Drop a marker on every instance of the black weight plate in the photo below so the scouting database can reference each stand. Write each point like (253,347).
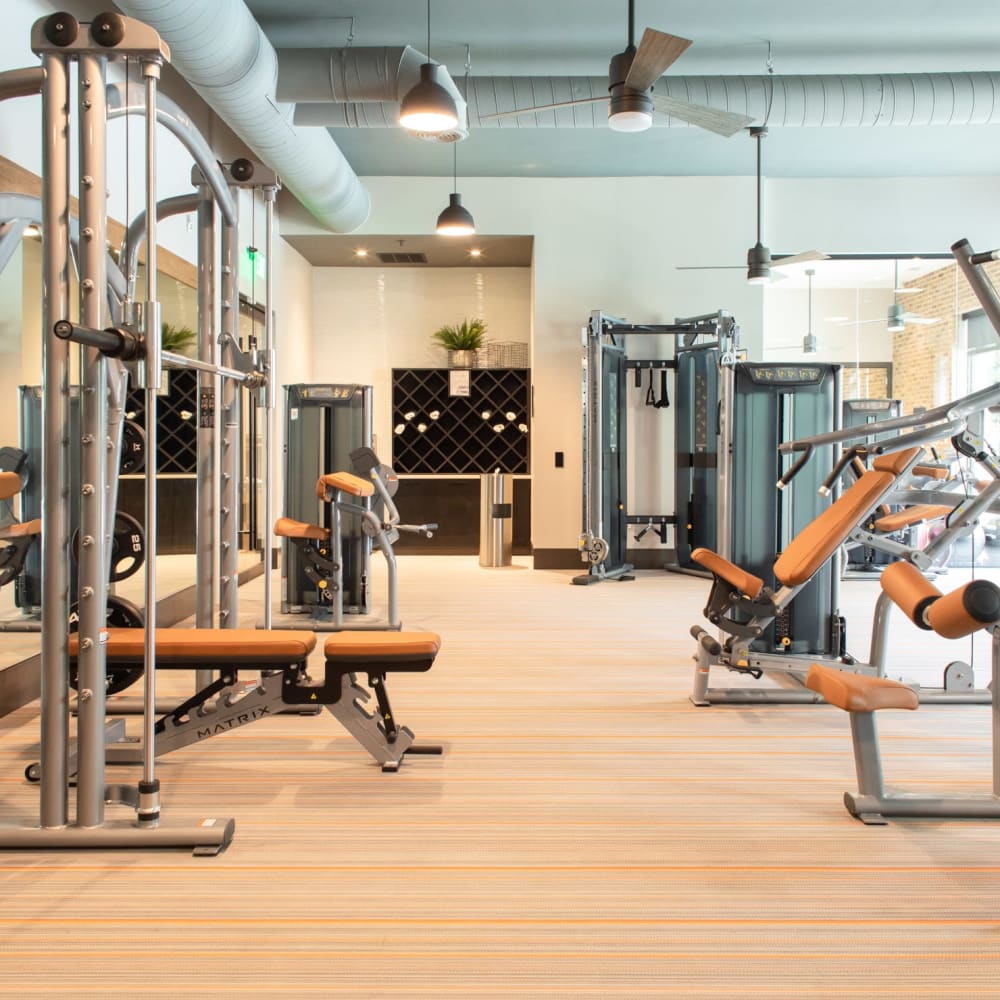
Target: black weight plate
(133,458)
(128,548)
(120,614)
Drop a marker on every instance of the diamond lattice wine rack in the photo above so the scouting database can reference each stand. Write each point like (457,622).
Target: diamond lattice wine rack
(435,432)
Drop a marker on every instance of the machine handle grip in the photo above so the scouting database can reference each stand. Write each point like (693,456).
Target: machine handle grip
(796,468)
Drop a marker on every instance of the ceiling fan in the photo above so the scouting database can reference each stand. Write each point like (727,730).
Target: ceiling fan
(631,76)
(896,317)
(761,266)
(809,343)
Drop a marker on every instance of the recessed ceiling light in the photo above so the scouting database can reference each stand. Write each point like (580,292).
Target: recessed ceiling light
(361,252)
(475,252)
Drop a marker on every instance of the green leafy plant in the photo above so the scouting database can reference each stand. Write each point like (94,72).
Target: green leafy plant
(177,339)
(465,336)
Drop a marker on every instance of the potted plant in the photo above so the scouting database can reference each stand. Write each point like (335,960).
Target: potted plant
(461,341)
(177,339)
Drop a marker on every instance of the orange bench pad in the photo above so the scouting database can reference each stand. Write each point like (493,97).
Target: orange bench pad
(812,546)
(345,482)
(288,527)
(744,582)
(27,529)
(382,646)
(916,514)
(203,646)
(859,692)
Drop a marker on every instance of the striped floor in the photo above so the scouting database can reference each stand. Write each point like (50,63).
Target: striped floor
(588,833)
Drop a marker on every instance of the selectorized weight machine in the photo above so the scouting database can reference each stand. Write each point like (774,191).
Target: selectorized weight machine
(324,424)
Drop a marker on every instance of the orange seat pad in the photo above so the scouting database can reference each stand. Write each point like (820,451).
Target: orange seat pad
(859,692)
(201,647)
(930,471)
(22,530)
(744,582)
(10,485)
(377,647)
(288,527)
(346,483)
(819,539)
(916,514)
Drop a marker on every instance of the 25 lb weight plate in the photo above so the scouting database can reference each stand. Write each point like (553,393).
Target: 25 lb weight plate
(128,548)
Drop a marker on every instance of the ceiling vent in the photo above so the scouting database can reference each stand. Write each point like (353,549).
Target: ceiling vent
(402,258)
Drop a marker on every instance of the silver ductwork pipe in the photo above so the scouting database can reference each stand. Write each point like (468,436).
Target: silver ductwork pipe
(794,101)
(360,76)
(220,50)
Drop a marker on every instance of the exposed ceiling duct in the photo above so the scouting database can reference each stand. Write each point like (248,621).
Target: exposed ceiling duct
(379,76)
(859,101)
(223,54)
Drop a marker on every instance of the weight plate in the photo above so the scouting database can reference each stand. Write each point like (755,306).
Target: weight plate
(128,548)
(120,614)
(133,458)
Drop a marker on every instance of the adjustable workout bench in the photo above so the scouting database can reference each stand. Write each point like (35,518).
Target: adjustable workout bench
(974,606)
(737,594)
(281,658)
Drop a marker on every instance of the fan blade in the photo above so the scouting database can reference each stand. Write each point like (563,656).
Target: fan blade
(546,107)
(919,320)
(725,123)
(906,291)
(657,50)
(799,258)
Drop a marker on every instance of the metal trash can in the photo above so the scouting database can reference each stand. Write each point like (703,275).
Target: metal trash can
(496,519)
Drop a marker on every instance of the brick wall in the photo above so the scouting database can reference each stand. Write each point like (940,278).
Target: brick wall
(924,357)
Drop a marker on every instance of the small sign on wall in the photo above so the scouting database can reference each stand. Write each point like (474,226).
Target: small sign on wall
(459,382)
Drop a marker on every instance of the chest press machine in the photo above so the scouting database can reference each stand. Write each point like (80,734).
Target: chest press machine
(741,606)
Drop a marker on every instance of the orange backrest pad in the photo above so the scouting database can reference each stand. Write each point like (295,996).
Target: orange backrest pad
(812,546)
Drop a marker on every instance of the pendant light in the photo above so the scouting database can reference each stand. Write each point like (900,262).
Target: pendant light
(456,219)
(809,341)
(758,256)
(427,106)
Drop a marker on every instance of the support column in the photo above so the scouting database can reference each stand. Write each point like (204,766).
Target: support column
(55,466)
(229,410)
(93,568)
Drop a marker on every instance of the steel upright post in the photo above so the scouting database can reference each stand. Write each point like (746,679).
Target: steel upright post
(268,393)
(93,569)
(229,458)
(149,789)
(207,486)
(55,420)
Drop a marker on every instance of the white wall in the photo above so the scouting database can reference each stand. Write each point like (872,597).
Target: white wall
(615,244)
(370,320)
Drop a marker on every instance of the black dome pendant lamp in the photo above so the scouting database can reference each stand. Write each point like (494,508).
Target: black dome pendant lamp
(456,219)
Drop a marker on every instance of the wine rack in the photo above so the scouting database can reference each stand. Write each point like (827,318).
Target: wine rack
(435,432)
